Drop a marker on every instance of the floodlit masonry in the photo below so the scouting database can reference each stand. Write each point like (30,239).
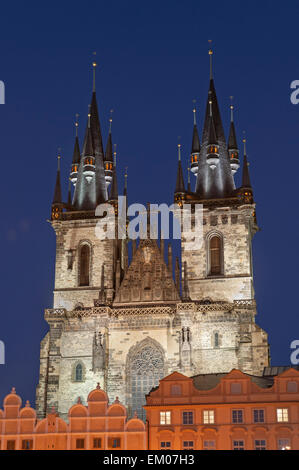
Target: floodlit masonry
(231,411)
(128,321)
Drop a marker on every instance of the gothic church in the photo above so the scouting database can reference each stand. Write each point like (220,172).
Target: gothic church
(128,323)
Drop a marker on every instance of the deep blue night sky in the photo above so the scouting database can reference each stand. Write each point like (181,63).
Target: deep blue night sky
(153,62)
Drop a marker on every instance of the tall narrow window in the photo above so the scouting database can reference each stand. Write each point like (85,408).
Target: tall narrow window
(79,373)
(84,265)
(216,340)
(215,255)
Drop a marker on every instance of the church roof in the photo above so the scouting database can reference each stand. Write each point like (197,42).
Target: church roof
(218,182)
(88,195)
(147,279)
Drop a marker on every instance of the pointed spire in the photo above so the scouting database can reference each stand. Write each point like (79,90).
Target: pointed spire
(88,146)
(114,186)
(212,139)
(126,182)
(180,187)
(57,199)
(108,153)
(195,138)
(232,140)
(76,153)
(245,175)
(211,60)
(94,64)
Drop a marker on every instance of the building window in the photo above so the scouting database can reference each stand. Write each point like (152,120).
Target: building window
(284,444)
(258,416)
(165,445)
(84,265)
(292,387)
(238,445)
(80,443)
(114,442)
(11,445)
(145,369)
(215,255)
(208,416)
(188,445)
(209,445)
(165,417)
(282,415)
(216,340)
(235,388)
(176,390)
(237,416)
(260,444)
(27,444)
(97,443)
(79,373)
(187,417)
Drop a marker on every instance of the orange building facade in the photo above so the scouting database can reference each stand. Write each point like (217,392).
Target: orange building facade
(93,427)
(239,412)
(233,411)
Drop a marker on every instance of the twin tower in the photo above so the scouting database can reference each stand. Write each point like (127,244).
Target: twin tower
(126,324)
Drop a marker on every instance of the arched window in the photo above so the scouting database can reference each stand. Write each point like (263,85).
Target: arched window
(145,369)
(84,265)
(216,340)
(215,255)
(79,373)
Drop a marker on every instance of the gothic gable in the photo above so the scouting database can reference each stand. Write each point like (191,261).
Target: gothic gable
(147,279)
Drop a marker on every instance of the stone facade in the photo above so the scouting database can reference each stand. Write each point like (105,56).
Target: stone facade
(147,331)
(127,325)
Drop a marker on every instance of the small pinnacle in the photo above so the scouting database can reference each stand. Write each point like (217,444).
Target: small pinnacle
(77,124)
(179,152)
(211,62)
(94,64)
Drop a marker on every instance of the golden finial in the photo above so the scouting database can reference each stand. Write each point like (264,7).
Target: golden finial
(211,62)
(126,177)
(114,154)
(110,120)
(231,108)
(76,124)
(58,158)
(194,112)
(94,64)
(179,148)
(244,141)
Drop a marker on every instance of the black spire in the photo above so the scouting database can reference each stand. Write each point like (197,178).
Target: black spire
(108,153)
(76,154)
(89,193)
(217,182)
(245,174)
(180,187)
(114,188)
(232,140)
(195,138)
(212,138)
(57,199)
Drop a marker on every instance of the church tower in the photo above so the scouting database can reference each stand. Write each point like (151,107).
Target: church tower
(127,323)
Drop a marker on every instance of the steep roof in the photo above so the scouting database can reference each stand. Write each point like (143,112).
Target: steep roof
(147,279)
(218,182)
(88,195)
